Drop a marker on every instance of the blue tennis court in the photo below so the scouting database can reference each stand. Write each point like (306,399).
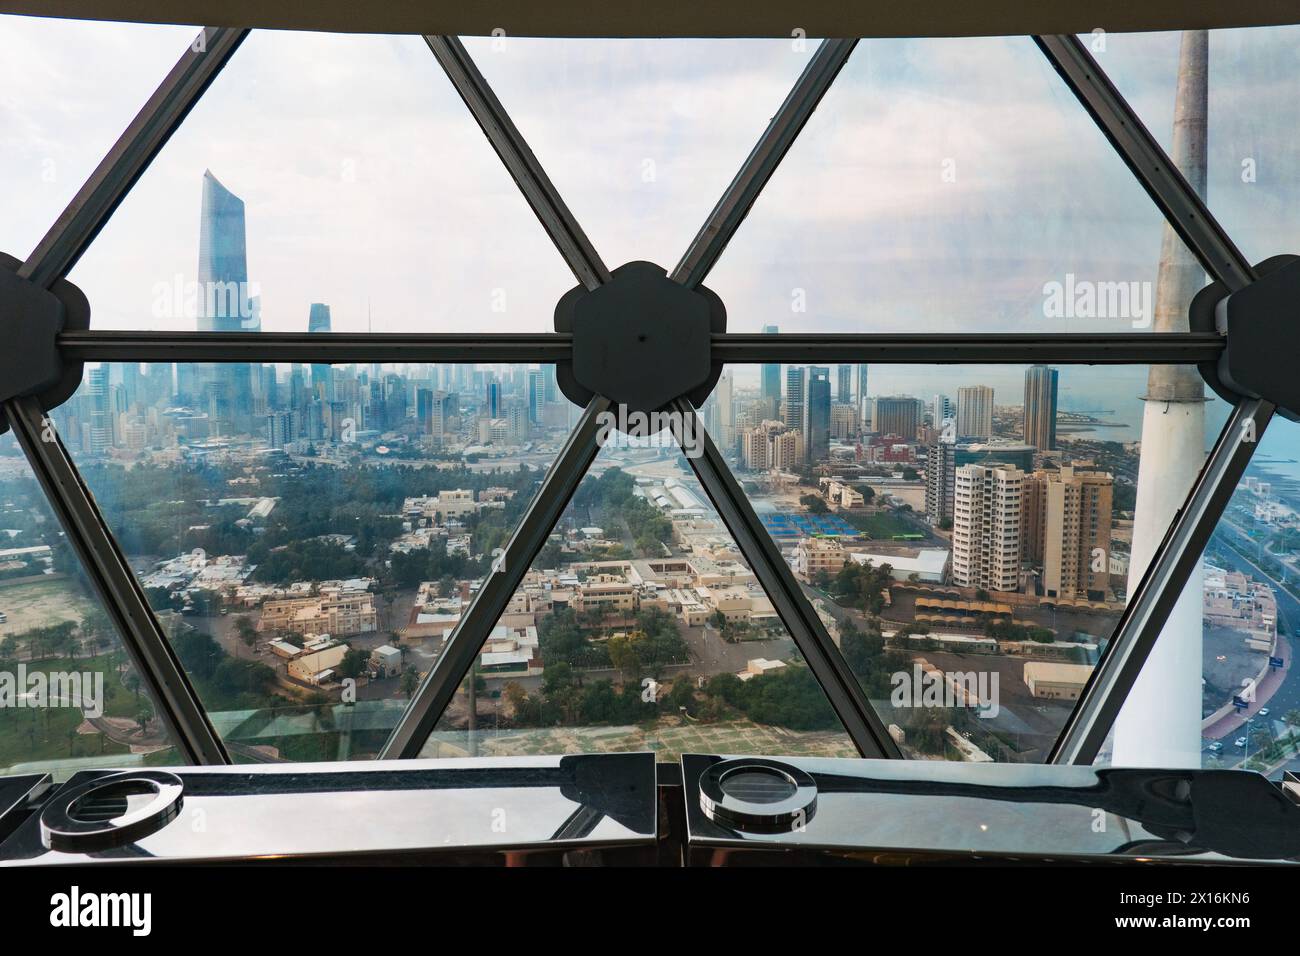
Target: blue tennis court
(785,524)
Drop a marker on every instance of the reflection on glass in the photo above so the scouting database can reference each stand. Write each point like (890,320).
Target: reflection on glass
(69,696)
(71,88)
(641,136)
(1252,148)
(288,522)
(639,627)
(965,532)
(946,185)
(320,168)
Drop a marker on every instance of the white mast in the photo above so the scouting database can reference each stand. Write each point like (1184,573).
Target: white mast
(1160,723)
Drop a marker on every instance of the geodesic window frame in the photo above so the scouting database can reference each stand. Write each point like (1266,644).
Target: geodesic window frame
(43,274)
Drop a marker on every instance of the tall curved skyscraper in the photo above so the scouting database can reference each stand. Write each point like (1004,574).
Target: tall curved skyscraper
(223,260)
(224,391)
(318,320)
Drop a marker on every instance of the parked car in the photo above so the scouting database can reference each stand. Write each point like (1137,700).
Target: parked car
(1239,742)
(1215,747)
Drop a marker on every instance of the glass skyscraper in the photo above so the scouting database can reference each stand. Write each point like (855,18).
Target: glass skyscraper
(223,261)
(224,303)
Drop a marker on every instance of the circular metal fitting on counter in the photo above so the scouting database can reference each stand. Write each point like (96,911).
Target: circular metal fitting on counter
(111,811)
(758,795)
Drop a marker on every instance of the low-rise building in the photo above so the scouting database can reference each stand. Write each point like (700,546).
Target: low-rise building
(511,650)
(1051,681)
(386,661)
(758,666)
(317,668)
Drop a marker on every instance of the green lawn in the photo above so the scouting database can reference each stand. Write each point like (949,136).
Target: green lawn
(881,524)
(31,735)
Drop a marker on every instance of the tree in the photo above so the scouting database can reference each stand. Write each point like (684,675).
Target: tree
(246,630)
(410,680)
(354,662)
(814,504)
(624,657)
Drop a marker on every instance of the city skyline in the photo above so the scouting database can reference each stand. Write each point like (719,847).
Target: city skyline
(296,243)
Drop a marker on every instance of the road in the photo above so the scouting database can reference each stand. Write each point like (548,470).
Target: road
(1279,698)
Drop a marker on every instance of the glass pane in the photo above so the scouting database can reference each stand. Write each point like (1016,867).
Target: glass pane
(639,627)
(326,169)
(966,529)
(641,136)
(1242,610)
(946,185)
(284,521)
(70,697)
(70,89)
(1251,145)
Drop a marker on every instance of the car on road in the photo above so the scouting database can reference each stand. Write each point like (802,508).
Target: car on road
(1263,712)
(1215,747)
(1239,742)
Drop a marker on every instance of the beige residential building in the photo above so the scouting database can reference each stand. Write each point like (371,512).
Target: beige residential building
(844,421)
(611,593)
(772,446)
(333,611)
(975,412)
(815,556)
(1076,533)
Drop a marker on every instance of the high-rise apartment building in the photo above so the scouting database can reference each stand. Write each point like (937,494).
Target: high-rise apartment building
(1066,525)
(792,410)
(896,415)
(940,472)
(864,409)
(1040,407)
(536,395)
(943,409)
(986,527)
(772,445)
(844,420)
(975,412)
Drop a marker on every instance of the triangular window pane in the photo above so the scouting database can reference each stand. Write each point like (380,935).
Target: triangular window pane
(946,185)
(967,529)
(640,627)
(1246,600)
(1252,154)
(641,136)
(72,699)
(70,89)
(326,169)
(282,518)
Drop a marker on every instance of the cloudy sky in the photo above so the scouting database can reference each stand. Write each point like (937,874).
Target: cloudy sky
(938,187)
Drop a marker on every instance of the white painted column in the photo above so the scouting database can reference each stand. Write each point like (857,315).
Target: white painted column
(1160,723)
